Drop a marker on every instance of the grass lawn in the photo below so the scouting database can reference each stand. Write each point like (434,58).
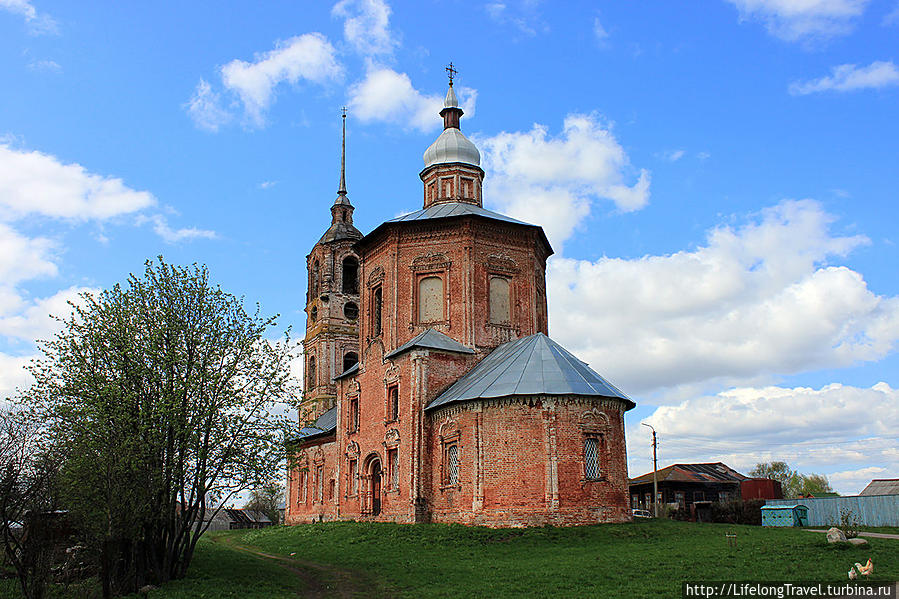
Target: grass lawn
(647,558)
(644,559)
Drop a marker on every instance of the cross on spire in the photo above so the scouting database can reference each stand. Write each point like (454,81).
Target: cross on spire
(451,72)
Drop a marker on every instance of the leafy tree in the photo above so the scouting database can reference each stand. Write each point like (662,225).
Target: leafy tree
(779,471)
(812,484)
(792,482)
(161,393)
(267,500)
(28,472)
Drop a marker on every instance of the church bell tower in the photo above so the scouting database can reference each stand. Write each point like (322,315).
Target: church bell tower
(331,344)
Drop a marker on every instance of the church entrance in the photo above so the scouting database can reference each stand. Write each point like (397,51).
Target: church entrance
(375,477)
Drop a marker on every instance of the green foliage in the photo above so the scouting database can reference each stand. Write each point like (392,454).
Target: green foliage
(161,394)
(267,500)
(738,511)
(793,482)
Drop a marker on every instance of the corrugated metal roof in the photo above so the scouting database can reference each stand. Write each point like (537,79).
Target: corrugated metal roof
(882,486)
(533,365)
(693,473)
(449,209)
(434,340)
(325,424)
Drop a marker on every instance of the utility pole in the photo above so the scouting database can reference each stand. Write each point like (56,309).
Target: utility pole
(655,468)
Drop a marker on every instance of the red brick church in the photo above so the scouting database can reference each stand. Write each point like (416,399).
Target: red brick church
(432,391)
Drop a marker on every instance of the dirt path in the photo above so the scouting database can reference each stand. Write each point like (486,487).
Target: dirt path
(321,581)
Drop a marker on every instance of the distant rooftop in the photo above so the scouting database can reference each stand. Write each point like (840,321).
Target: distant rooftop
(882,486)
(696,473)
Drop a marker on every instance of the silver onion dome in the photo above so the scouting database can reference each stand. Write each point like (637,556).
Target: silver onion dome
(452,145)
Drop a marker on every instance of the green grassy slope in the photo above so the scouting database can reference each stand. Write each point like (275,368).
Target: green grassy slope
(643,559)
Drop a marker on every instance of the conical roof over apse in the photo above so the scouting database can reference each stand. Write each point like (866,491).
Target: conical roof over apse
(533,365)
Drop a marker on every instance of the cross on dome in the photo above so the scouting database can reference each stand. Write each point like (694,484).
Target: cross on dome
(451,72)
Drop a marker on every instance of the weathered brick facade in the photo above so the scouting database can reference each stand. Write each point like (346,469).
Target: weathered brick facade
(478,279)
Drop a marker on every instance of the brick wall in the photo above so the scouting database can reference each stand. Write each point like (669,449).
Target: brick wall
(522,462)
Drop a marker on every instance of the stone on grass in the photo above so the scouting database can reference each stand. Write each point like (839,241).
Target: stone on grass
(859,542)
(835,535)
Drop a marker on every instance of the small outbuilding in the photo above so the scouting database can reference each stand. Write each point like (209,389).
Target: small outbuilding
(784,515)
(682,485)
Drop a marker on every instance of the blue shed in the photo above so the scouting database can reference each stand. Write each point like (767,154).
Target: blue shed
(784,515)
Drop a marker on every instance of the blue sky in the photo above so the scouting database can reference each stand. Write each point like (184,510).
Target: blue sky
(718,180)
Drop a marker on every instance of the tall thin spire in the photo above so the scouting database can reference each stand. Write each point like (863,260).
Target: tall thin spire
(342,191)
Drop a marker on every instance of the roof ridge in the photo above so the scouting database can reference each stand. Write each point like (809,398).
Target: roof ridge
(489,369)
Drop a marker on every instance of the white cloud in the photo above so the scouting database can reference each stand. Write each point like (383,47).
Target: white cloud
(814,430)
(367,26)
(36,320)
(13,375)
(849,77)
(22,258)
(37,183)
(756,300)
(775,415)
(38,23)
(267,184)
(673,155)
(794,20)
(205,108)
(45,65)
(599,31)
(521,14)
(388,96)
(161,227)
(554,180)
(308,57)
(858,479)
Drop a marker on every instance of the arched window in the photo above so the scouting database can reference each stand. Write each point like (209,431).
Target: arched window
(350,311)
(430,299)
(351,275)
(500,307)
(349,360)
(393,402)
(310,373)
(377,304)
(316,278)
